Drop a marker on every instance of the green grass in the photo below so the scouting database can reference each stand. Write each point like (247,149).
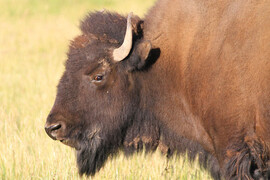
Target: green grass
(34,36)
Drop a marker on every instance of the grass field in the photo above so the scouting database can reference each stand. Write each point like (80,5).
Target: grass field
(34,36)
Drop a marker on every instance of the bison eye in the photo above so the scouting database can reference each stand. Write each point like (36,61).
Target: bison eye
(98,78)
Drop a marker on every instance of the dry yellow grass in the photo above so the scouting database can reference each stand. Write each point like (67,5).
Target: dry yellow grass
(34,37)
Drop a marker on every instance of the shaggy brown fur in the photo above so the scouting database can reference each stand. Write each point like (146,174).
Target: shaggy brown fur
(197,79)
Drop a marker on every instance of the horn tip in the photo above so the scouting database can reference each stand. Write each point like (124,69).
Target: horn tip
(130,15)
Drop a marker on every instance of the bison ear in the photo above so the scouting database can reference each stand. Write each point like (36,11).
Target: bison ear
(143,49)
(140,56)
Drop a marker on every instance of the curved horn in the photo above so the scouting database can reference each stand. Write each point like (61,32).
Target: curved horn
(120,53)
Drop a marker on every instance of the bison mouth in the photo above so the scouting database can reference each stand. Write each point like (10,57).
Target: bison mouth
(71,142)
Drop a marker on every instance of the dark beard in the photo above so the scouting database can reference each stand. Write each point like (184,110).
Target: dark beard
(91,157)
(97,144)
(93,154)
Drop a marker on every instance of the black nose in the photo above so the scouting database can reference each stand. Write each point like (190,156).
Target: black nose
(51,130)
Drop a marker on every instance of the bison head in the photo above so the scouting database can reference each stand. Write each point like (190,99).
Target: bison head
(98,95)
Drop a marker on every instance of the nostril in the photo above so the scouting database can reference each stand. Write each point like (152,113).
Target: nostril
(55,127)
(52,128)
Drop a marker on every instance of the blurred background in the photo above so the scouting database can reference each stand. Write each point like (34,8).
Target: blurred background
(34,37)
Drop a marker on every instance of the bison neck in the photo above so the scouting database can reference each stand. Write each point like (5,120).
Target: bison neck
(163,94)
(165,90)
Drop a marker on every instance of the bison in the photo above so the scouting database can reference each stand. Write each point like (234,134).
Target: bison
(192,76)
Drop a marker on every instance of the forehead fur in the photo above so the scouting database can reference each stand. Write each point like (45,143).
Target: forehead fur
(83,40)
(100,24)
(100,31)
